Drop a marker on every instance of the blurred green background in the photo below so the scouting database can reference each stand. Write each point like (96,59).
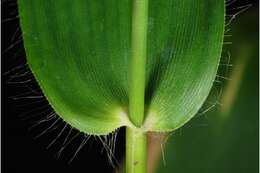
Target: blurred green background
(226,138)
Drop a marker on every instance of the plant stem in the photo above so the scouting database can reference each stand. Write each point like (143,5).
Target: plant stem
(136,151)
(136,147)
(138,61)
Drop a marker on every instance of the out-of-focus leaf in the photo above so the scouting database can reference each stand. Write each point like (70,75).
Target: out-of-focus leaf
(79,51)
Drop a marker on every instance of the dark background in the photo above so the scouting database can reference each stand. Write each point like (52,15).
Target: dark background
(21,151)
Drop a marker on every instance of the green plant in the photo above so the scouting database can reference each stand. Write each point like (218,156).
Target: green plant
(144,64)
(226,138)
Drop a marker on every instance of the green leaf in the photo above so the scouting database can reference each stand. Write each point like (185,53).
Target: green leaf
(225,139)
(221,142)
(79,53)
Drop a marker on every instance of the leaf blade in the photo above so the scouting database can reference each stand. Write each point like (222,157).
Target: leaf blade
(188,60)
(79,53)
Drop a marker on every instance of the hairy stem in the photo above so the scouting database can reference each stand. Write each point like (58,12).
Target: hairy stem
(136,154)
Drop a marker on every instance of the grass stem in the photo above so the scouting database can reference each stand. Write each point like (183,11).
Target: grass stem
(136,151)
(138,61)
(136,147)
